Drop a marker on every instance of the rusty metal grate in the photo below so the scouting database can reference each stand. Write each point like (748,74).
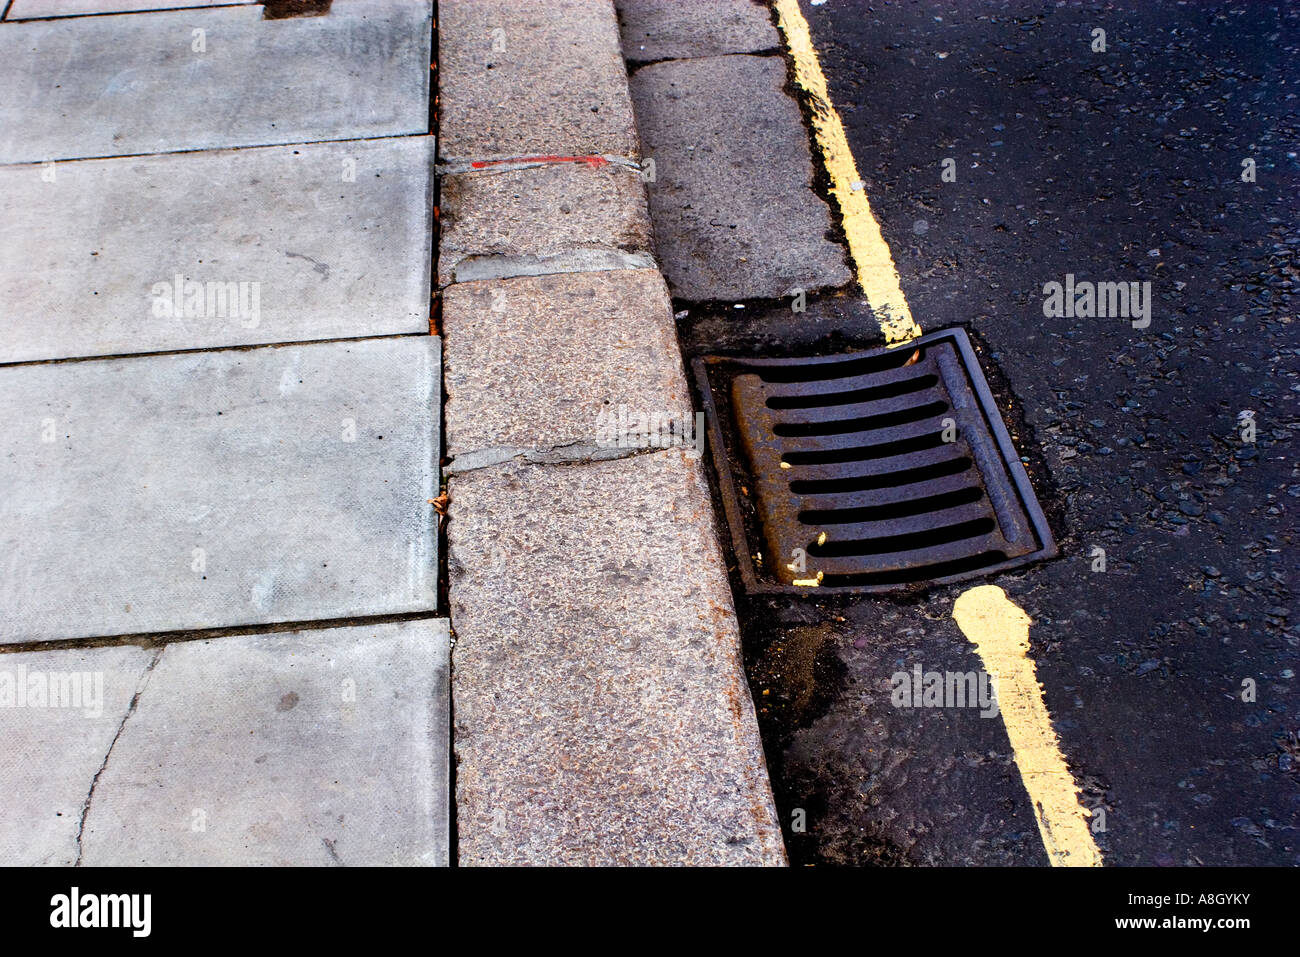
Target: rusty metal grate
(869,471)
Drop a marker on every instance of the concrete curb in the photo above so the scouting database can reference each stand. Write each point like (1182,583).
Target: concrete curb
(602,713)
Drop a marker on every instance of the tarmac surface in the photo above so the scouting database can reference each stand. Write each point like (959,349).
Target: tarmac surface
(1117,166)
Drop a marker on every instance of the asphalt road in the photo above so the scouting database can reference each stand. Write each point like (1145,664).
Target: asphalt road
(1118,166)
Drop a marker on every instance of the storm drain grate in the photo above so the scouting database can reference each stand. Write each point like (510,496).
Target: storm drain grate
(869,471)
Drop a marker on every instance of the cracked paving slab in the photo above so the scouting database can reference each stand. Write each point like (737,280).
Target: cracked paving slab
(234,247)
(501,223)
(60,712)
(129,84)
(130,710)
(572,359)
(560,455)
(311,748)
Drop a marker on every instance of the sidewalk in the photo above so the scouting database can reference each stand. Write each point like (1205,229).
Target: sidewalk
(218,556)
(220,632)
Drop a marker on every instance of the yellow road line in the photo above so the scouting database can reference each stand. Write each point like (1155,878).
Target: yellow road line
(1000,631)
(877,274)
(998,628)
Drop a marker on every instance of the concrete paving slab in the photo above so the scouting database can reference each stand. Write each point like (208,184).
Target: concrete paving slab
(328,240)
(527,79)
(545,362)
(210,489)
(33,9)
(324,747)
(734,213)
(672,30)
(568,217)
(602,712)
(59,713)
(119,85)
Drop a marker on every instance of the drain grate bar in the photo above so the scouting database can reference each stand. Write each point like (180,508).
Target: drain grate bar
(871,535)
(880,473)
(868,471)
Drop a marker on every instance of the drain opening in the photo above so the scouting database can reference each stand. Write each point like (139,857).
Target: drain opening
(854,514)
(885,450)
(863,423)
(868,472)
(942,571)
(829,399)
(918,540)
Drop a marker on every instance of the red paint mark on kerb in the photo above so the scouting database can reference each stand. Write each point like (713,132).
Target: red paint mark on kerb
(587,160)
